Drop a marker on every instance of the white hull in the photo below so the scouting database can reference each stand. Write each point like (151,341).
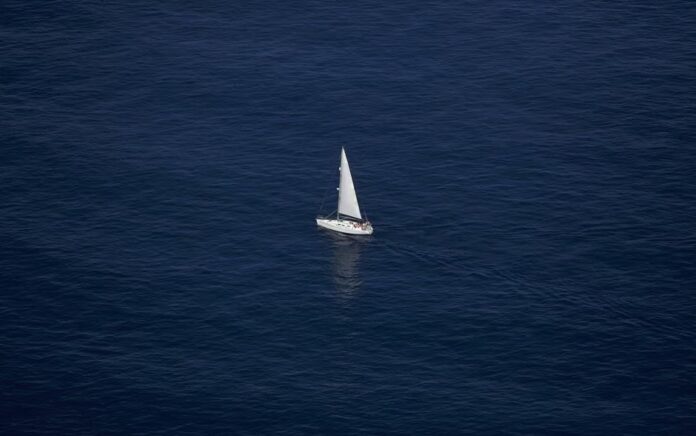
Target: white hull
(345,226)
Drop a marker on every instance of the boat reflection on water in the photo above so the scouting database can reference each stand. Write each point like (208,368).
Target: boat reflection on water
(346,261)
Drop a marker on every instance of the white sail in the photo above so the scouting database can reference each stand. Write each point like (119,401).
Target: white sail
(347,200)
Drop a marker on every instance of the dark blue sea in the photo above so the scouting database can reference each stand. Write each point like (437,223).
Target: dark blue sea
(529,168)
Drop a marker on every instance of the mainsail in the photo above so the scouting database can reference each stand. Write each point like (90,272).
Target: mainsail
(347,200)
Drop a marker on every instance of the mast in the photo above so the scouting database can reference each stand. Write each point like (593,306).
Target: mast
(338,206)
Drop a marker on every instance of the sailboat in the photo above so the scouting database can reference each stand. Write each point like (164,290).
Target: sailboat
(348,217)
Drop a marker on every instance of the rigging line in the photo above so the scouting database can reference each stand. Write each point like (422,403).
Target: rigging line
(321,206)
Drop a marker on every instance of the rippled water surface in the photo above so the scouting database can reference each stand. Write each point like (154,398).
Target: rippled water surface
(528,166)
